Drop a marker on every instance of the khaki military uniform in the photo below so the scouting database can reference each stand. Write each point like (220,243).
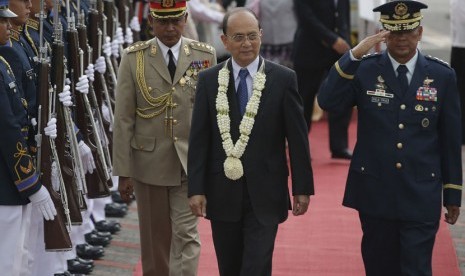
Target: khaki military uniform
(150,136)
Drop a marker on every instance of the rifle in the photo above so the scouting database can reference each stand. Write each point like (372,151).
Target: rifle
(56,232)
(65,126)
(100,84)
(97,186)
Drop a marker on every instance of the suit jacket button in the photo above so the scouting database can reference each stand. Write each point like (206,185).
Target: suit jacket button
(399,165)
(399,145)
(401,126)
(402,106)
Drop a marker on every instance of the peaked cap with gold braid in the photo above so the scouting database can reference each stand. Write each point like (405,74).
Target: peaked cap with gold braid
(400,15)
(168,8)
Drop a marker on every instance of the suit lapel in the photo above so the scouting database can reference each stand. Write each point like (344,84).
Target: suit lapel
(183,61)
(418,75)
(157,61)
(265,92)
(234,112)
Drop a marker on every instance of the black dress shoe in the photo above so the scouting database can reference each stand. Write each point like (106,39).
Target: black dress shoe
(76,267)
(111,226)
(102,234)
(87,251)
(95,239)
(85,261)
(345,154)
(116,197)
(116,210)
(66,273)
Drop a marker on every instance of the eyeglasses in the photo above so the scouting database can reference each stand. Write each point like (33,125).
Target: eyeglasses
(166,21)
(242,37)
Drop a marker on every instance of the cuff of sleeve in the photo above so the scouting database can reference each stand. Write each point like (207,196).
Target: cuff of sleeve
(452,194)
(346,66)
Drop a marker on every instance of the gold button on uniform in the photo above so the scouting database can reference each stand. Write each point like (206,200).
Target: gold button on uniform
(402,106)
(362,168)
(175,122)
(433,175)
(399,145)
(175,139)
(399,165)
(401,126)
(141,147)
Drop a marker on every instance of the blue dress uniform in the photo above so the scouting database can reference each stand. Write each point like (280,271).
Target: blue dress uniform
(17,167)
(18,176)
(28,57)
(407,159)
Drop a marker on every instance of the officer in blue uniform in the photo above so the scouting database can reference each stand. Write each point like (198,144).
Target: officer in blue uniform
(19,181)
(407,160)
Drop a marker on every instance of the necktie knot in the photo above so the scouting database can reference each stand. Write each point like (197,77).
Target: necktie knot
(402,69)
(243,73)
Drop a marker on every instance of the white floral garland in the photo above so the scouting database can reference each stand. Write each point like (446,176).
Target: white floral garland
(233,168)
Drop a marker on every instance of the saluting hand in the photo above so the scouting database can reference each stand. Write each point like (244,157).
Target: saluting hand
(198,204)
(369,42)
(452,214)
(300,205)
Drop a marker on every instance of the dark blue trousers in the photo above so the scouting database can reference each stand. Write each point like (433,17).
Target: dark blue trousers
(394,247)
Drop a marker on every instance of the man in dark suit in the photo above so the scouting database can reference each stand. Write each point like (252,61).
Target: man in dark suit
(407,159)
(322,36)
(240,184)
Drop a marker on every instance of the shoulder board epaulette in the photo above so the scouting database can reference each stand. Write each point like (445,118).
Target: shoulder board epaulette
(440,61)
(371,55)
(136,46)
(201,46)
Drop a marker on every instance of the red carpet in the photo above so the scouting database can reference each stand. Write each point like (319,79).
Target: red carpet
(326,240)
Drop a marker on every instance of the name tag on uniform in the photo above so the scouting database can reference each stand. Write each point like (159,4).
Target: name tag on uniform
(380,100)
(380,93)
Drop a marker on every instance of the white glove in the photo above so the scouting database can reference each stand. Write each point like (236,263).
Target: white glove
(107,46)
(55,180)
(115,47)
(100,65)
(87,159)
(51,129)
(106,113)
(90,72)
(134,24)
(128,37)
(65,96)
(83,84)
(119,35)
(42,200)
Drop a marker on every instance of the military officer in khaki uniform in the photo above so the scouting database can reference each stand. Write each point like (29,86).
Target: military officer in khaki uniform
(154,100)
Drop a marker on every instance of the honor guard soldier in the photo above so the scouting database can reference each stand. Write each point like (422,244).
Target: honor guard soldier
(154,99)
(19,179)
(407,160)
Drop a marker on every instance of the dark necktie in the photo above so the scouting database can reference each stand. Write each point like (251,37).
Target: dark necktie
(171,65)
(242,91)
(402,77)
